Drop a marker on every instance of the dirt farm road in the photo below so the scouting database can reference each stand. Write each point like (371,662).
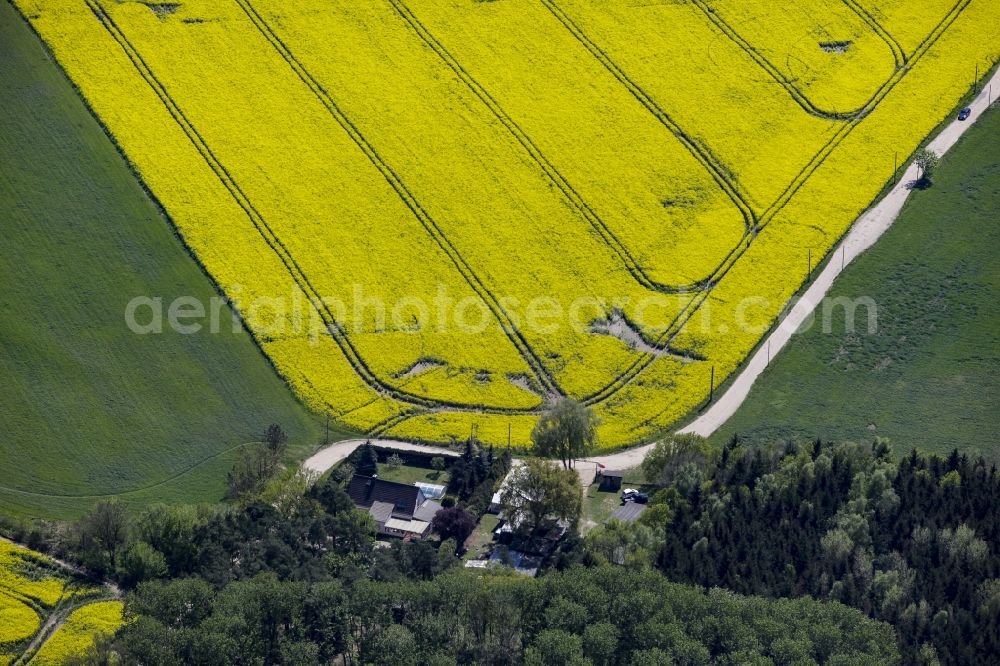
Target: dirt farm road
(862,235)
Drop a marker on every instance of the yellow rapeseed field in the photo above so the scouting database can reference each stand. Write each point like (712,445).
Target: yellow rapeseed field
(76,634)
(28,576)
(436,215)
(32,587)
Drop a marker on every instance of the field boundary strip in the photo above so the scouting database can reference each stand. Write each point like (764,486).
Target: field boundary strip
(794,92)
(551,172)
(353,357)
(542,374)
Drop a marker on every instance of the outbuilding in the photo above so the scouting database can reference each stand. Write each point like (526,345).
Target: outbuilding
(611,479)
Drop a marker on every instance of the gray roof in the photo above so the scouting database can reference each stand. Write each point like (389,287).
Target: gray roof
(381,511)
(617,473)
(426,511)
(365,491)
(629,511)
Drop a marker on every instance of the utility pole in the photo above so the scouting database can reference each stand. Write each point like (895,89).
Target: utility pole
(326,439)
(809,264)
(711,387)
(843,251)
(895,166)
(975,83)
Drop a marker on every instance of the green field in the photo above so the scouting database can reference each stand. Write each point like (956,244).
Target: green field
(929,378)
(88,408)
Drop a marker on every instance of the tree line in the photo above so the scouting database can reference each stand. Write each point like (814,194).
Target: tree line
(913,542)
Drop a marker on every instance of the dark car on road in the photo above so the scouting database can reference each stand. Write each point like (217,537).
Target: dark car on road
(964,113)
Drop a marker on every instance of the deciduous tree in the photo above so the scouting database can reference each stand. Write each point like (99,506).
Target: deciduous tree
(566,432)
(538,490)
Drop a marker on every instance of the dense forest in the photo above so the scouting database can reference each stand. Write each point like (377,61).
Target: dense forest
(745,555)
(913,542)
(305,584)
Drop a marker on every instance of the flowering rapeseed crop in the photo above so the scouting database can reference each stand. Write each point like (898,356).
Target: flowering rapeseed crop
(31,587)
(18,621)
(396,154)
(77,633)
(28,576)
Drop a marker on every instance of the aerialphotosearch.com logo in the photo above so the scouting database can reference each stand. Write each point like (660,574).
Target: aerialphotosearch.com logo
(635,321)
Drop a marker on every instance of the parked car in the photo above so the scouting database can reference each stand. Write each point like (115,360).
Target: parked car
(964,113)
(633,495)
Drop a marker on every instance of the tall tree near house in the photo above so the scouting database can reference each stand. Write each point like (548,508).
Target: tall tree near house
(454,523)
(367,460)
(669,456)
(566,432)
(538,490)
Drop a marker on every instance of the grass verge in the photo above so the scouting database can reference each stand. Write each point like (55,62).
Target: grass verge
(927,377)
(88,408)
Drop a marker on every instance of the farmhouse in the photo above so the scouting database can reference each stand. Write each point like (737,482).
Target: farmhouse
(399,510)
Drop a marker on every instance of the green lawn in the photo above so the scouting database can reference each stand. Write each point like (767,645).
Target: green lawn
(88,408)
(481,538)
(598,505)
(929,378)
(408,475)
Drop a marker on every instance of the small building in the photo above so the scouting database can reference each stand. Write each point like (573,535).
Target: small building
(611,479)
(431,491)
(400,510)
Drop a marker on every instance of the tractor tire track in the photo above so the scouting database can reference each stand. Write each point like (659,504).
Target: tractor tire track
(542,374)
(681,319)
(388,424)
(772,70)
(551,172)
(898,52)
(708,160)
(845,130)
(333,327)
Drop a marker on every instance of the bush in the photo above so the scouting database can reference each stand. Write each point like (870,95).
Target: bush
(454,523)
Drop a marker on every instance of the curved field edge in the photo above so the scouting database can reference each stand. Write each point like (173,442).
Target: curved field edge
(90,408)
(48,589)
(976,88)
(924,379)
(73,634)
(399,428)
